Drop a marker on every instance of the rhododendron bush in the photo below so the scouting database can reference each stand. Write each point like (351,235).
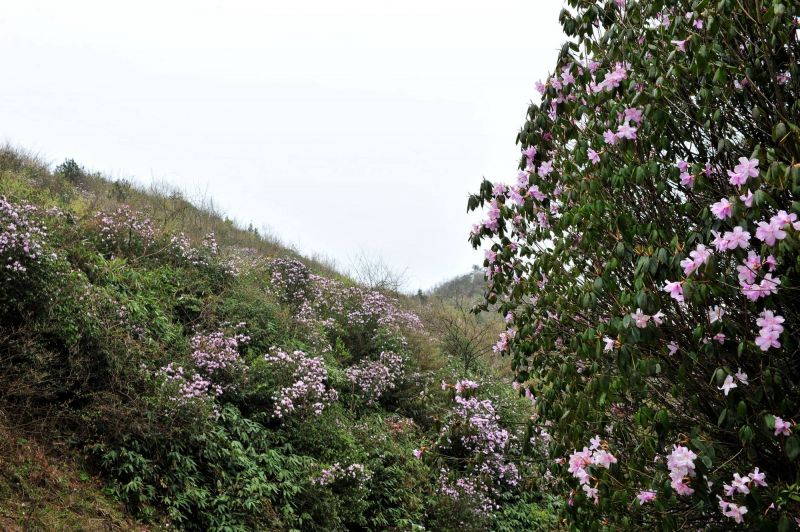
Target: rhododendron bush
(646,253)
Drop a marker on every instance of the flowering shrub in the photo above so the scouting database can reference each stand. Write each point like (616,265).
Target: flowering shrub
(289,279)
(647,251)
(215,360)
(477,452)
(189,386)
(182,247)
(308,392)
(21,237)
(376,377)
(331,310)
(216,352)
(125,231)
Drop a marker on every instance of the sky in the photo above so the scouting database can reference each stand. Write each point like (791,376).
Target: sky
(347,129)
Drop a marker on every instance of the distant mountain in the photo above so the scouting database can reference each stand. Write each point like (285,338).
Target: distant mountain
(469,287)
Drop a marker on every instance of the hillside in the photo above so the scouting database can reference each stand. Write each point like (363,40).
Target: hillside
(187,373)
(469,287)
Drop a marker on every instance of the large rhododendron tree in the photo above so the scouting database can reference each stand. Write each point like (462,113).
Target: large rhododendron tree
(646,260)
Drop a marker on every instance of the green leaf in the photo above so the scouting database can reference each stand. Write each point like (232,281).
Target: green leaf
(792,447)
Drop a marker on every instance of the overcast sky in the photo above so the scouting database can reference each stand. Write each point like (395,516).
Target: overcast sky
(346,127)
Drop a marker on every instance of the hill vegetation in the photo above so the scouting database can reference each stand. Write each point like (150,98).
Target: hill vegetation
(202,377)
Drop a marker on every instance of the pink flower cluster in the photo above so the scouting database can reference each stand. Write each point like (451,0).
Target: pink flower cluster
(770,330)
(472,434)
(353,472)
(125,228)
(199,256)
(21,237)
(681,466)
(612,79)
(782,428)
(641,319)
(743,485)
(309,391)
(215,351)
(467,488)
(580,461)
(189,386)
(502,342)
(774,230)
(289,279)
(696,258)
(747,273)
(375,377)
(330,304)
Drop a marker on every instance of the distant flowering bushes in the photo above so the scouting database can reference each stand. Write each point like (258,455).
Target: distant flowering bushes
(215,358)
(329,308)
(125,230)
(183,248)
(373,378)
(290,279)
(21,238)
(647,251)
(216,352)
(308,393)
(338,473)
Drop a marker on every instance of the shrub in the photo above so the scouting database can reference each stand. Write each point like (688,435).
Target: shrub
(648,254)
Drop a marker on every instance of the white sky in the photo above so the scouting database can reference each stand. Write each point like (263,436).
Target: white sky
(346,127)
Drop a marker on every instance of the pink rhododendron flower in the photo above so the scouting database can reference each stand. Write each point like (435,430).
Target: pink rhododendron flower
(696,258)
(747,270)
(758,478)
(545,168)
(633,114)
(747,198)
(609,343)
(672,347)
(782,219)
(687,179)
(770,331)
(681,464)
(719,242)
(741,172)
(640,318)
(741,376)
(782,428)
(675,290)
(646,496)
(609,137)
(593,156)
(603,459)
(530,153)
(728,385)
(735,512)
(715,314)
(770,232)
(681,45)
(737,238)
(722,209)
(625,131)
